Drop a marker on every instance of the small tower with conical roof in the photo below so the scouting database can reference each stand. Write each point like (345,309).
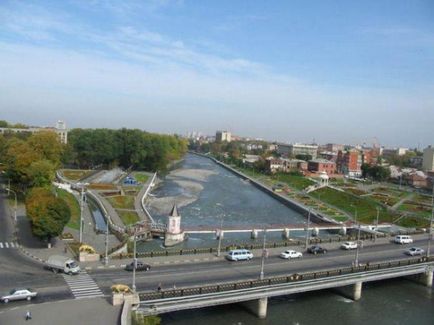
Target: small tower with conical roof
(174,234)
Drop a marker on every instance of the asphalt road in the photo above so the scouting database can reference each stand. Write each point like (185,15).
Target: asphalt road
(225,271)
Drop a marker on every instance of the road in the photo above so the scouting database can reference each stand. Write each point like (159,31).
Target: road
(18,270)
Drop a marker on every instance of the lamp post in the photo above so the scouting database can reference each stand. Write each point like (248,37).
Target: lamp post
(307,230)
(81,213)
(356,259)
(106,240)
(135,264)
(430,222)
(261,275)
(376,224)
(220,231)
(15,207)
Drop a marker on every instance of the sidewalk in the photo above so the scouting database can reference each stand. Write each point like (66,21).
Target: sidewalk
(65,312)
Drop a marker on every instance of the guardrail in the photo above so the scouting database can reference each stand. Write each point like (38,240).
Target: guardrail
(288,279)
(144,198)
(208,250)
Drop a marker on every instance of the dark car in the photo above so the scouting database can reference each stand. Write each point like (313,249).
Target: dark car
(140,266)
(317,250)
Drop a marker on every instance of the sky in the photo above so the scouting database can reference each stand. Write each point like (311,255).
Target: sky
(348,72)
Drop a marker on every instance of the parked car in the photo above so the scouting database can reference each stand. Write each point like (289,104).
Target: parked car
(349,245)
(316,249)
(414,251)
(403,239)
(19,294)
(239,255)
(289,254)
(139,267)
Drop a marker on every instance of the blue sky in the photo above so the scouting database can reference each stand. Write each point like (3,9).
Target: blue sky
(333,71)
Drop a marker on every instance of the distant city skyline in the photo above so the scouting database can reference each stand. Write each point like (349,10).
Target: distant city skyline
(335,71)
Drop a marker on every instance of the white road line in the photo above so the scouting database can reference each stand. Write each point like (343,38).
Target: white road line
(1,245)
(7,245)
(12,245)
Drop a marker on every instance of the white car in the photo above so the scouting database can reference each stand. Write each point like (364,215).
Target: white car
(349,245)
(414,251)
(289,254)
(19,294)
(403,239)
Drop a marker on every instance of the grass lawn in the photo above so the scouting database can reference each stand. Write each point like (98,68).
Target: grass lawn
(101,186)
(128,217)
(424,199)
(141,177)
(75,174)
(74,206)
(295,181)
(366,208)
(384,198)
(122,202)
(421,210)
(413,222)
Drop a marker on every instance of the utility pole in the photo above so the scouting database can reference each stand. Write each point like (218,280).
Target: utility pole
(430,223)
(220,237)
(307,230)
(261,275)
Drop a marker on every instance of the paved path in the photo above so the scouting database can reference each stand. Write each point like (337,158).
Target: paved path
(397,204)
(96,311)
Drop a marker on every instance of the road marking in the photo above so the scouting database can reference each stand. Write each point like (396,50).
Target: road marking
(1,245)
(12,245)
(83,286)
(7,245)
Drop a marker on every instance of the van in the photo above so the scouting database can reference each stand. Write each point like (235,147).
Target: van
(239,255)
(403,239)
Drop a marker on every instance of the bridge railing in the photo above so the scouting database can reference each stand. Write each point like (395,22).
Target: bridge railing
(282,244)
(296,277)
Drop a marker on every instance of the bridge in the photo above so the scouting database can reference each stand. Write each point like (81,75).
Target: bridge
(254,294)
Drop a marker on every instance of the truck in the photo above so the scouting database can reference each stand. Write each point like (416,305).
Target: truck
(58,263)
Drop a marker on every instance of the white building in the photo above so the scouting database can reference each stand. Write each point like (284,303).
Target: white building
(428,159)
(221,136)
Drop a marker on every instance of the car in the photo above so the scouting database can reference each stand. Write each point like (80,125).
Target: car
(316,249)
(19,294)
(289,254)
(139,267)
(403,239)
(413,251)
(239,255)
(349,245)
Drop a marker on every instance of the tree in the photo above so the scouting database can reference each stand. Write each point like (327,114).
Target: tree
(41,173)
(48,214)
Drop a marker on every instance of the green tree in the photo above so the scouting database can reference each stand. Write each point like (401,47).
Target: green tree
(48,214)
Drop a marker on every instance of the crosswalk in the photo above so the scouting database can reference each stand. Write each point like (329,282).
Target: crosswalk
(83,286)
(8,245)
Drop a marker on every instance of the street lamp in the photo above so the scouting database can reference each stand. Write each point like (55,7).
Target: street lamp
(135,263)
(376,223)
(15,207)
(430,222)
(307,230)
(356,259)
(106,240)
(220,231)
(81,211)
(264,253)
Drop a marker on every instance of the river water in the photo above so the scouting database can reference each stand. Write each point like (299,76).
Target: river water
(224,195)
(394,302)
(209,195)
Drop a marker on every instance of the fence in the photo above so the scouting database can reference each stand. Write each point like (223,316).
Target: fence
(172,293)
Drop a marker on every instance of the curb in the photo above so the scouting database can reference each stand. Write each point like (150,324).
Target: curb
(20,247)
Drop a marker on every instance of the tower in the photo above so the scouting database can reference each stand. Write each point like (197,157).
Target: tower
(174,234)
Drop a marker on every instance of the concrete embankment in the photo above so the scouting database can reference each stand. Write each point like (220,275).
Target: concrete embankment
(294,205)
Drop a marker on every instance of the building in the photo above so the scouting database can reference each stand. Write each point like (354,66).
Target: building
(428,159)
(294,150)
(322,165)
(349,163)
(221,136)
(60,129)
(333,147)
(285,165)
(416,162)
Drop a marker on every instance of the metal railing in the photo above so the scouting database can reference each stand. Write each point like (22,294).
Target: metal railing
(291,278)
